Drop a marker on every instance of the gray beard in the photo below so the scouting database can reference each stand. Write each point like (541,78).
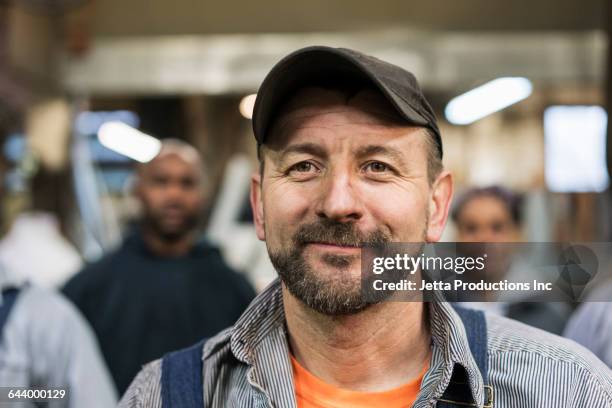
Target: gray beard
(329,295)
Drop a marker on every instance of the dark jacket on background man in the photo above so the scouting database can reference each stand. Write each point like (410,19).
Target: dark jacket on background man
(142,306)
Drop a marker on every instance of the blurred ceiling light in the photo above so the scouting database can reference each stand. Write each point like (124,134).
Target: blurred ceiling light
(575,148)
(128,141)
(246,106)
(487,99)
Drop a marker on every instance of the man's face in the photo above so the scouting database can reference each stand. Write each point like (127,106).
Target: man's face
(172,197)
(486,219)
(337,174)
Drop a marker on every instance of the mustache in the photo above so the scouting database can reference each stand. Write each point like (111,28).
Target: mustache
(337,233)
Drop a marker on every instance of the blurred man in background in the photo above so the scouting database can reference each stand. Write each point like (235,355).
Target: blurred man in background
(493,215)
(162,289)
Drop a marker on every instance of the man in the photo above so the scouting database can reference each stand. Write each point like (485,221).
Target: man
(162,289)
(493,215)
(351,153)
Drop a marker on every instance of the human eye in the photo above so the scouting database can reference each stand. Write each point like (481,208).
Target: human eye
(303,170)
(377,169)
(188,183)
(159,181)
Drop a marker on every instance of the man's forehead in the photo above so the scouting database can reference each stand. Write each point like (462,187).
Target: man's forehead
(168,160)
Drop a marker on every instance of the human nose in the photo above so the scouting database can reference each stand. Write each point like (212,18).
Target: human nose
(338,199)
(173,191)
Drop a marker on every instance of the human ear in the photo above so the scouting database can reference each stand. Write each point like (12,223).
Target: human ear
(257,205)
(439,205)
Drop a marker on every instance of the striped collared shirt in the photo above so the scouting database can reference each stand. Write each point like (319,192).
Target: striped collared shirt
(248,364)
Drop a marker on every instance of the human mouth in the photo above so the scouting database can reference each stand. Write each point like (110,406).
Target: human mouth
(334,247)
(173,215)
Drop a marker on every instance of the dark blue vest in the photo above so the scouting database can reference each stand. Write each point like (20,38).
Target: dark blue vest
(9,296)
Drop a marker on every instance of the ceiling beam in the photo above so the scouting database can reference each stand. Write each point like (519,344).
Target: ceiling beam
(237,63)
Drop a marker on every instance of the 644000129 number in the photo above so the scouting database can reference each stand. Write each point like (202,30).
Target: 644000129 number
(8,394)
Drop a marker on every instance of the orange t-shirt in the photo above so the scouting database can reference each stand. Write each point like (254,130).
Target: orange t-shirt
(312,392)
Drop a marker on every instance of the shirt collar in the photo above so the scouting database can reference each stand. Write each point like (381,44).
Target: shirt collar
(263,316)
(259,338)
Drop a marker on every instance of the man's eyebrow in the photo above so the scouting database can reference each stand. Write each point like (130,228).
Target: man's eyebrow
(307,148)
(370,150)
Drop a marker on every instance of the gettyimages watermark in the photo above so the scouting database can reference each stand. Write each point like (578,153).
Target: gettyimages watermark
(485,272)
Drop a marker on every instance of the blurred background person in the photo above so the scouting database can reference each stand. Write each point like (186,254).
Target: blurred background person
(163,288)
(45,342)
(488,214)
(494,215)
(35,248)
(591,324)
